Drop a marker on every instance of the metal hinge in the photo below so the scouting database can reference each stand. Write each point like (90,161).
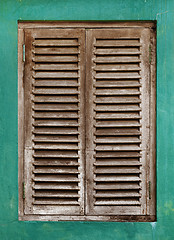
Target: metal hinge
(150,53)
(23,52)
(149,189)
(23,190)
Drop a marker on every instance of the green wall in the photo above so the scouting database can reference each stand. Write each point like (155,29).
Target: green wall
(13,10)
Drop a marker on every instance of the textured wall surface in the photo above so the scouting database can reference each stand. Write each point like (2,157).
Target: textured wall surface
(13,10)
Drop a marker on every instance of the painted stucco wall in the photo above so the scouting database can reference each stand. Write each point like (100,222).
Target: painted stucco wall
(13,10)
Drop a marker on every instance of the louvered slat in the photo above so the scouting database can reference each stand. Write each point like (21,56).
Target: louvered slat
(56,105)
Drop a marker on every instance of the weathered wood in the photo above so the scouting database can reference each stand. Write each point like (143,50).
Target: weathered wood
(56,123)
(52,74)
(117,67)
(59,170)
(55,202)
(117,108)
(58,50)
(117,194)
(56,99)
(55,186)
(117,186)
(117,51)
(55,178)
(117,91)
(57,67)
(57,146)
(56,115)
(117,75)
(123,178)
(55,59)
(117,147)
(52,162)
(109,170)
(117,202)
(122,99)
(118,115)
(118,84)
(55,131)
(55,42)
(118,140)
(119,59)
(56,83)
(55,91)
(54,139)
(123,162)
(117,132)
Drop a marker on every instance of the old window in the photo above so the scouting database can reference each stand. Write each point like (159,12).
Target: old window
(87,121)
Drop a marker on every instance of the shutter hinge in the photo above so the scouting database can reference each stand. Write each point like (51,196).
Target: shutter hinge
(149,189)
(150,54)
(23,190)
(23,52)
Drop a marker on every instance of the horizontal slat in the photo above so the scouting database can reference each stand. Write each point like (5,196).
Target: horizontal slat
(114,91)
(56,83)
(55,58)
(117,202)
(49,122)
(71,66)
(120,84)
(117,116)
(117,108)
(55,178)
(55,75)
(57,146)
(117,154)
(117,147)
(55,186)
(51,162)
(117,186)
(123,162)
(56,170)
(117,51)
(116,132)
(54,139)
(117,67)
(52,195)
(117,140)
(55,42)
(118,59)
(117,43)
(117,194)
(118,123)
(122,99)
(117,75)
(56,99)
(55,202)
(56,115)
(57,107)
(117,179)
(57,91)
(56,50)
(107,170)
(55,154)
(61,131)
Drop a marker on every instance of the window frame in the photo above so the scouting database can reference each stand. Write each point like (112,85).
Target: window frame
(152,59)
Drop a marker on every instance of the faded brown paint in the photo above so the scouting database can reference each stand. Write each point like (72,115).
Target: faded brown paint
(59,142)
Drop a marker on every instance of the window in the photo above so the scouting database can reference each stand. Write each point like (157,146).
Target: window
(87,121)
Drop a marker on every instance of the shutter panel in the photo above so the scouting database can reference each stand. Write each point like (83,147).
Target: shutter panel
(118,121)
(54,121)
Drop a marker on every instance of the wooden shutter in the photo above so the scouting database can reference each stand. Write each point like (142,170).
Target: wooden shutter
(54,121)
(118,121)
